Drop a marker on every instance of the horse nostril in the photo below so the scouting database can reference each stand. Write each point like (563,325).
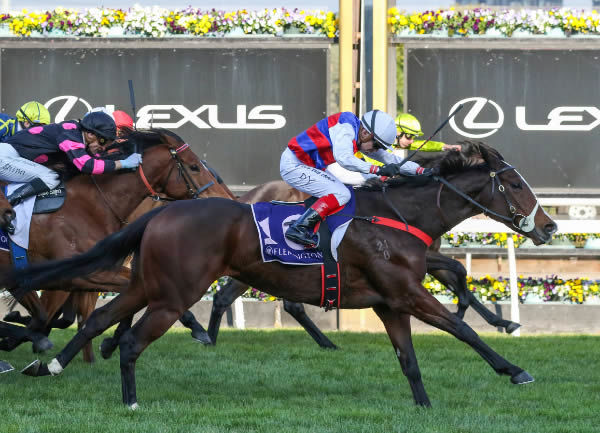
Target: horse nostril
(550,228)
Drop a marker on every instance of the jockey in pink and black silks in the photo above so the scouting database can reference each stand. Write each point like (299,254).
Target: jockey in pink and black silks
(22,155)
(336,139)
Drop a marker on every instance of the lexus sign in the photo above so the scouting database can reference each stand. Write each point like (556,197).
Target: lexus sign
(546,123)
(236,107)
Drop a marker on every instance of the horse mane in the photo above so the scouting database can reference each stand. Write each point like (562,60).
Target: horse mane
(473,155)
(141,140)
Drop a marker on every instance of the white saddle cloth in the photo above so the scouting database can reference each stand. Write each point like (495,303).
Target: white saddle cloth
(22,223)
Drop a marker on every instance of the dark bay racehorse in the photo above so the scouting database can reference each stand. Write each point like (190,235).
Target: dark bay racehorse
(98,205)
(180,249)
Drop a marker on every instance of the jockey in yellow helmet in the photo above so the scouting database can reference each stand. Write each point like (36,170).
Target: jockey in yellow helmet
(30,114)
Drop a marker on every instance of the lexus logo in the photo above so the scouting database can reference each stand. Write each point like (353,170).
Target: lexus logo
(68,104)
(470,127)
(174,116)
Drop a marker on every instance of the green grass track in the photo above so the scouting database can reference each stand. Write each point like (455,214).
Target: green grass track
(280,381)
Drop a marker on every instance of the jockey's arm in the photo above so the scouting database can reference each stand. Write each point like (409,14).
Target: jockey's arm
(409,168)
(342,136)
(430,146)
(85,163)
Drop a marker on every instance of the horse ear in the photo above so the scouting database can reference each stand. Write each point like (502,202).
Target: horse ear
(488,155)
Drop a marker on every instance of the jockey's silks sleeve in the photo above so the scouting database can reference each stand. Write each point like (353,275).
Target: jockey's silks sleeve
(408,168)
(342,136)
(430,146)
(75,149)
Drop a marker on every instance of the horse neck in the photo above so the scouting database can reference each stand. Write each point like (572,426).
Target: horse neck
(418,205)
(118,193)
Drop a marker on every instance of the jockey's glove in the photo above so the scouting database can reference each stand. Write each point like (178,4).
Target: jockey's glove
(132,161)
(388,170)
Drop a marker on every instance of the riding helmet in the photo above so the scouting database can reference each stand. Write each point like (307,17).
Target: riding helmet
(122,119)
(34,112)
(381,125)
(408,124)
(100,124)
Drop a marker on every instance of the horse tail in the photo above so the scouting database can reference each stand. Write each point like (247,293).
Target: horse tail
(109,253)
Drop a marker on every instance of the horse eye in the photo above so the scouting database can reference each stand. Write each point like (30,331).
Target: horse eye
(194,167)
(517,185)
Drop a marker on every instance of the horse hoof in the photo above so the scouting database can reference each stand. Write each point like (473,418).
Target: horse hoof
(32,369)
(203,338)
(512,327)
(134,406)
(522,378)
(5,367)
(13,317)
(42,345)
(107,348)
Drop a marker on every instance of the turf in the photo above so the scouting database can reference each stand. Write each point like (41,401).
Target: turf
(279,381)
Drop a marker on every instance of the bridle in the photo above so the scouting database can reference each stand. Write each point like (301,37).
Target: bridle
(192,188)
(524,223)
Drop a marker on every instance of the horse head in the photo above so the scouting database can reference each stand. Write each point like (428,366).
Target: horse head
(510,198)
(171,168)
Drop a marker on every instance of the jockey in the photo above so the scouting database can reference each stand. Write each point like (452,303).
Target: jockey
(409,128)
(21,155)
(336,139)
(123,121)
(30,114)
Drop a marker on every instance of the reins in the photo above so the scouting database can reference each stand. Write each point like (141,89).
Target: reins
(193,189)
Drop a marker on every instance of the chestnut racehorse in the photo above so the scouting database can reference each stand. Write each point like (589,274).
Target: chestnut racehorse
(96,206)
(180,249)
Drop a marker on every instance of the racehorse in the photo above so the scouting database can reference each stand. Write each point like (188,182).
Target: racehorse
(180,249)
(96,206)
(446,270)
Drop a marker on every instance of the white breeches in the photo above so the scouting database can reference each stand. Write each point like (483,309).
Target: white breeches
(310,180)
(14,168)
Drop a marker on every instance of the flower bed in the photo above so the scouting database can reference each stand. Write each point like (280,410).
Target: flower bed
(488,289)
(462,239)
(526,22)
(160,22)
(549,289)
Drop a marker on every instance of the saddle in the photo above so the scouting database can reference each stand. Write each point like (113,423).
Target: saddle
(50,201)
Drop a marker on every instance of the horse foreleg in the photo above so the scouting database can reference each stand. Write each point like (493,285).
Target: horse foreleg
(152,325)
(398,328)
(13,336)
(427,309)
(198,332)
(124,305)
(296,310)
(221,302)
(452,274)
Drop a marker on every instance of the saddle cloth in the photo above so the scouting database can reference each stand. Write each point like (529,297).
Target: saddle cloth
(46,202)
(272,221)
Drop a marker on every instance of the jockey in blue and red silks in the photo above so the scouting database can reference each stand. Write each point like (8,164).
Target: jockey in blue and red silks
(336,139)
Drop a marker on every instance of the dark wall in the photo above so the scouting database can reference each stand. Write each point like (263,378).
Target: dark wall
(553,147)
(292,81)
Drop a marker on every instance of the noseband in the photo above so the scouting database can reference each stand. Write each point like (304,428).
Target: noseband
(193,189)
(522,222)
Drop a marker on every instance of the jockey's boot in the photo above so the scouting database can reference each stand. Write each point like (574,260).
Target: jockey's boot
(302,231)
(35,187)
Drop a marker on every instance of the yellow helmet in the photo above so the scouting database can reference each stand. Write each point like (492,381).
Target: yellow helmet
(34,112)
(408,124)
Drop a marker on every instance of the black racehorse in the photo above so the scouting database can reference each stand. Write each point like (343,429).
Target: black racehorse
(182,248)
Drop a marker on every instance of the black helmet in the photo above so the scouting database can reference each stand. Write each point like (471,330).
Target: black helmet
(100,124)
